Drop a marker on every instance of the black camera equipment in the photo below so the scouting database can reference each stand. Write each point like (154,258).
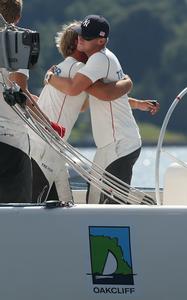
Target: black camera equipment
(14,95)
(19,47)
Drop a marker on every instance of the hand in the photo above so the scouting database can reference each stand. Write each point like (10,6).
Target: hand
(149,105)
(58,128)
(48,74)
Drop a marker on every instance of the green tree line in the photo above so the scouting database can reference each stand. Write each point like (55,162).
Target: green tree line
(148,37)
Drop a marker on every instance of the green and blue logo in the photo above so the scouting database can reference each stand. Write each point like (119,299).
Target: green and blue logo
(110,255)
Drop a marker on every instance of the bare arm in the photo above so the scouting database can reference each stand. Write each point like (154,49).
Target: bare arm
(103,91)
(21,80)
(70,86)
(110,91)
(145,105)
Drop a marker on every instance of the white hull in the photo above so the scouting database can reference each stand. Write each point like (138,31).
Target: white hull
(46,253)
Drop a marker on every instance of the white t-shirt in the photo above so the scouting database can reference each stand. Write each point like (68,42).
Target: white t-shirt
(13,130)
(63,109)
(111,120)
(58,106)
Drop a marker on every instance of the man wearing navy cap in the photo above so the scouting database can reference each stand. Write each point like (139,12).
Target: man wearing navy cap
(94,26)
(115,131)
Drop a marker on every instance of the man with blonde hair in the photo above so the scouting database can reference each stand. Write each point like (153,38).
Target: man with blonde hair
(48,166)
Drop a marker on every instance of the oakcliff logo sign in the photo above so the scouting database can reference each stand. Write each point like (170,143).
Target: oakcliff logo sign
(111,260)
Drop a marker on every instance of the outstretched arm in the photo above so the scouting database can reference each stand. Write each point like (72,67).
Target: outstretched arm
(145,105)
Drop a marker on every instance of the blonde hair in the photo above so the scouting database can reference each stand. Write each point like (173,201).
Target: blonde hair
(11,10)
(66,40)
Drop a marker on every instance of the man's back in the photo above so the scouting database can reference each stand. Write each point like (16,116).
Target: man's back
(111,120)
(58,106)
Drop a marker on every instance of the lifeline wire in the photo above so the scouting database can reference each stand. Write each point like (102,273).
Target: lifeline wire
(92,173)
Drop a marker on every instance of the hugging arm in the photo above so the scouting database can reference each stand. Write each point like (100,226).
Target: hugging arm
(70,86)
(103,91)
(110,91)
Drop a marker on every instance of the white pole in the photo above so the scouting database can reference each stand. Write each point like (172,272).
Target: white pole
(160,141)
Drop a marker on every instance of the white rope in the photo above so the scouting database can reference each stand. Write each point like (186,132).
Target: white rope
(180,162)
(108,184)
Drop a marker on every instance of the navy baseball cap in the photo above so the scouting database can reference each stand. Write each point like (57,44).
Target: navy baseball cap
(92,27)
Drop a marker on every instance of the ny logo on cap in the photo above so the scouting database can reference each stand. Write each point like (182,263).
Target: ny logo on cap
(102,33)
(86,22)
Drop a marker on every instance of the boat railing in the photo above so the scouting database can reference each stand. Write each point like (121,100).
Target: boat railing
(160,144)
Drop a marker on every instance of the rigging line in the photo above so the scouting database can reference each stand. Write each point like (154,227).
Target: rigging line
(97,168)
(180,162)
(116,181)
(83,172)
(112,181)
(92,177)
(72,162)
(146,196)
(82,159)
